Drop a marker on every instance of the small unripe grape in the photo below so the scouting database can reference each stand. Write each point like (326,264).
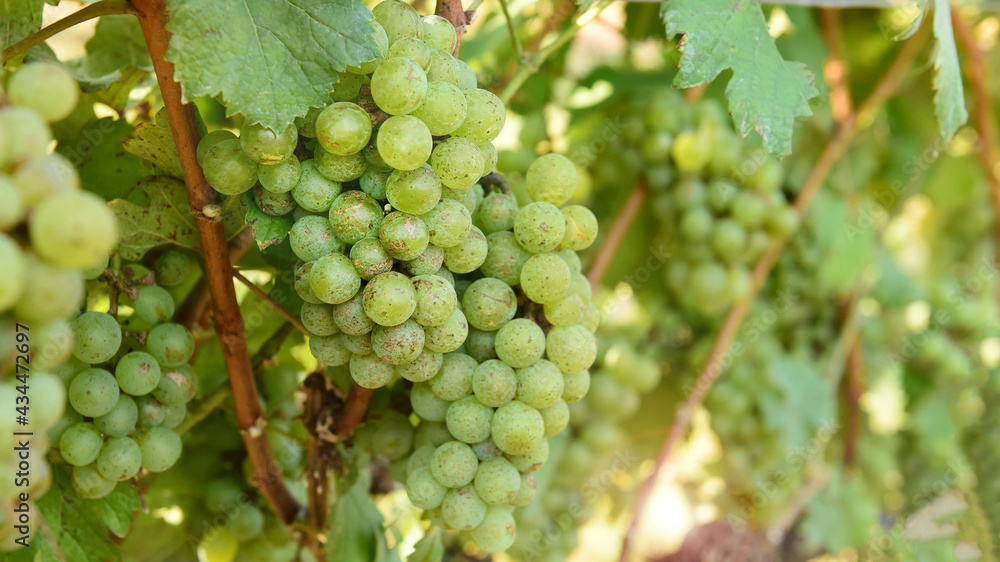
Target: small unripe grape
(545,278)
(438,33)
(551,178)
(448,223)
(539,227)
(484,117)
(517,428)
(454,464)
(398,19)
(428,405)
(154,304)
(443,108)
(354,216)
(421,369)
(137,373)
(469,254)
(469,420)
(435,300)
(572,349)
(314,192)
(334,279)
(398,344)
(423,490)
(265,146)
(228,169)
(343,128)
(98,337)
(329,350)
(80,444)
(454,380)
(121,420)
(120,459)
(414,191)
(448,336)
(370,371)
(280,177)
(539,385)
(389,299)
(404,142)
(171,344)
(173,268)
(533,460)
(496,532)
(90,484)
(462,509)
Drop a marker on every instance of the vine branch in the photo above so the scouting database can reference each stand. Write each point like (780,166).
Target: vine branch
(713,366)
(835,69)
(354,410)
(95,10)
(218,269)
(515,40)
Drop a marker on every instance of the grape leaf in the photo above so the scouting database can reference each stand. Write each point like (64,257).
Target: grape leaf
(18,19)
(429,548)
(356,526)
(155,142)
(117,45)
(270,60)
(804,403)
(949,96)
(915,24)
(842,515)
(267,229)
(766,92)
(105,167)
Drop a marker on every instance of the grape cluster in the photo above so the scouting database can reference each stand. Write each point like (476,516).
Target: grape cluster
(417,264)
(53,236)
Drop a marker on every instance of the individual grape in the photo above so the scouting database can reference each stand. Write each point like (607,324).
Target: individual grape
(373,180)
(556,416)
(423,368)
(48,292)
(160,448)
(454,464)
(469,420)
(98,337)
(370,371)
(427,263)
(539,385)
(728,238)
(545,278)
(265,146)
(318,319)
(389,299)
(398,344)
(32,134)
(398,87)
(738,283)
(174,416)
(45,88)
(479,345)
(329,350)
(533,460)
(462,509)
(496,213)
(153,305)
(274,204)
(398,19)
(211,139)
(539,227)
(404,236)
(494,383)
(489,303)
(517,428)
(551,178)
(443,273)
(334,279)
(467,80)
(171,344)
(12,208)
(358,345)
(781,220)
(301,282)
(566,312)
(381,43)
(768,177)
(691,151)
(246,523)
(467,197)
(414,191)
(527,492)
(602,436)
(339,168)
(411,48)
(280,177)
(314,192)
(351,317)
(47,396)
(80,444)
(370,258)
(438,33)
(448,223)
(121,420)
(520,343)
(354,216)
(343,128)
(423,490)
(435,300)
(443,108)
(38,179)
(581,228)
(454,380)
(484,117)
(152,412)
(709,280)
(467,255)
(449,336)
(591,317)
(73,229)
(426,404)
(422,454)
(404,142)
(748,209)
(173,268)
(505,258)
(217,545)
(490,157)
(696,223)
(228,169)
(393,436)
(572,349)
(176,386)
(90,484)
(496,532)
(458,162)
(223,494)
(120,459)
(444,68)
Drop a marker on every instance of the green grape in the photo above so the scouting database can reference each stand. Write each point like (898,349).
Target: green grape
(467,80)
(358,345)
(80,444)
(426,404)
(591,317)
(314,192)
(12,208)
(689,192)
(153,305)
(443,273)
(176,386)
(572,349)
(98,337)
(768,177)
(45,88)
(551,178)
(90,484)
(334,279)
(496,532)
(448,223)
(247,523)
(467,255)
(517,428)
(211,139)
(173,268)
(274,204)
(121,420)
(32,134)
(708,281)
(449,336)
(223,494)
(370,258)
(781,221)
(44,177)
(728,238)
(484,118)
(504,258)
(339,168)
(479,345)
(318,319)
(533,460)
(454,464)
(443,108)
(462,509)
(404,142)
(343,128)
(438,33)
(602,436)
(556,416)
(469,420)
(171,344)
(566,312)
(414,191)
(423,490)
(280,177)
(581,228)
(656,147)
(329,350)
(489,303)
(404,236)
(427,263)
(351,317)
(545,278)
(73,229)
(490,157)
(748,210)
(444,68)
(496,213)
(520,343)
(398,344)
(487,450)
(421,456)
(527,492)
(398,87)
(421,369)
(691,151)
(393,436)
(467,197)
(494,383)
(539,385)
(347,87)
(373,180)
(435,300)
(696,223)
(152,412)
(120,459)
(458,162)
(264,146)
(218,545)
(47,292)
(301,283)
(411,48)
(354,216)
(389,299)
(228,169)
(370,371)
(96,269)
(539,227)
(398,19)
(738,283)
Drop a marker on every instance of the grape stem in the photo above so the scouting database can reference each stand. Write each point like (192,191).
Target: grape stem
(267,298)
(711,371)
(153,17)
(515,40)
(95,10)
(626,216)
(978,73)
(493,179)
(354,410)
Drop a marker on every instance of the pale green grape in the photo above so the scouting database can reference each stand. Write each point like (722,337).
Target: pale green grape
(449,336)
(435,300)
(496,532)
(398,87)
(98,337)
(545,278)
(389,299)
(404,142)
(528,489)
(696,223)
(505,258)
(137,373)
(496,213)
(398,344)
(768,177)
(466,76)
(343,128)
(154,304)
(247,523)
(581,228)
(411,48)
(172,268)
(45,177)
(351,317)
(48,399)
(45,88)
(373,180)
(458,162)
(520,343)
(469,420)
(489,303)
(370,258)
(339,168)
(217,545)
(358,345)
(533,460)
(444,68)
(539,385)
(281,177)
(121,420)
(347,87)
(448,223)
(748,209)
(404,236)
(602,436)
(556,416)
(120,459)
(438,33)
(80,444)
(728,239)
(462,509)
(274,204)
(329,350)
(517,428)
(398,19)
(355,216)
(423,368)
(443,108)
(454,464)
(152,412)
(572,349)
(467,255)
(426,404)
(48,292)
(160,448)
(445,274)
(490,157)
(738,282)
(551,178)
(73,229)
(314,192)
(484,117)
(393,436)
(709,281)
(467,197)
(265,146)
(487,450)
(32,134)
(211,139)
(228,169)
(539,227)
(12,208)
(423,490)
(90,484)
(479,345)
(494,383)
(421,456)
(171,344)
(427,263)
(334,279)
(454,380)
(301,282)
(691,151)
(566,312)
(312,237)
(781,220)
(176,386)
(370,371)
(223,494)
(414,191)
(318,319)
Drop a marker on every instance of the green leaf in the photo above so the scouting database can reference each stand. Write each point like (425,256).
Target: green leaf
(270,60)
(949,97)
(155,142)
(105,167)
(805,403)
(915,24)
(842,515)
(167,219)
(356,526)
(19,19)
(429,548)
(117,42)
(267,229)
(766,93)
